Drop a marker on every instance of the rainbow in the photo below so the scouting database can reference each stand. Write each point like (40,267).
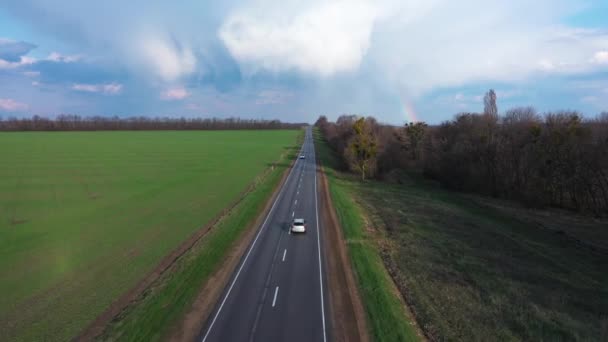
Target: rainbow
(408,109)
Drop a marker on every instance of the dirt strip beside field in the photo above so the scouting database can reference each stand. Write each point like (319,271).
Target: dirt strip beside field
(346,308)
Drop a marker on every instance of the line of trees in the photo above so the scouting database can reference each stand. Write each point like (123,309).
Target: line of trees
(555,159)
(67,122)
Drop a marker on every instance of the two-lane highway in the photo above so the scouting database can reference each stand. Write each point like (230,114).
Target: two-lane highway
(277,292)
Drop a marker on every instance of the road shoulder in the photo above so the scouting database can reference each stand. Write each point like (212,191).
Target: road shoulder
(346,309)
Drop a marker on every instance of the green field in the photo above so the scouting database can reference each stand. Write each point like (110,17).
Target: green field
(83,216)
(476,268)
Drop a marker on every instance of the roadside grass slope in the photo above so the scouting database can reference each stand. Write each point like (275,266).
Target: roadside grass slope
(387,317)
(478,269)
(84,215)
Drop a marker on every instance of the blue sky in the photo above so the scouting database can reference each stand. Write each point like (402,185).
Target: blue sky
(294,60)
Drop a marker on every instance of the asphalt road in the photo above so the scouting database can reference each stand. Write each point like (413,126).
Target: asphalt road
(278,291)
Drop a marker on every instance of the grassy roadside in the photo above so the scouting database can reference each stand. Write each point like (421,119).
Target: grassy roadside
(165,303)
(478,269)
(387,317)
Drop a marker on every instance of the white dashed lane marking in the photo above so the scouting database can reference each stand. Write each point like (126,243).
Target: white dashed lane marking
(276,291)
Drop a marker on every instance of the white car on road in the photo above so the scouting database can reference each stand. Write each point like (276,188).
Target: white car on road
(298,226)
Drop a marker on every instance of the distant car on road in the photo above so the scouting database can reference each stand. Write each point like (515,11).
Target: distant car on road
(298,226)
(302,156)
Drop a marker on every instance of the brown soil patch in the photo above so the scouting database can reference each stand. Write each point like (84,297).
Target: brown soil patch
(346,309)
(16,221)
(133,253)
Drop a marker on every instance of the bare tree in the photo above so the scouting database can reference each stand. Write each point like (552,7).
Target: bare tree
(411,136)
(321,121)
(489,103)
(557,159)
(69,122)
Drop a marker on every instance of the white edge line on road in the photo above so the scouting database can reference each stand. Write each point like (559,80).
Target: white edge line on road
(319,249)
(284,253)
(293,214)
(295,203)
(247,256)
(276,291)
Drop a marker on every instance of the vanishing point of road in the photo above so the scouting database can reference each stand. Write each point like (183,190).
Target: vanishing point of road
(278,290)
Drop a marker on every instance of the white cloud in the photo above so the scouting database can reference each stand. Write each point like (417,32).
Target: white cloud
(167,60)
(454,44)
(321,37)
(10,105)
(547,65)
(416,45)
(177,93)
(601,57)
(157,40)
(23,61)
(110,88)
(408,46)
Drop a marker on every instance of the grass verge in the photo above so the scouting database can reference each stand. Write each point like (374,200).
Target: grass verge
(387,317)
(477,269)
